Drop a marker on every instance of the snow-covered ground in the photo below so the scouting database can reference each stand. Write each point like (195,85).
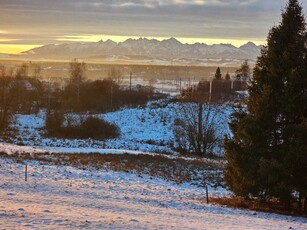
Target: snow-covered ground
(10,149)
(61,197)
(64,197)
(148,129)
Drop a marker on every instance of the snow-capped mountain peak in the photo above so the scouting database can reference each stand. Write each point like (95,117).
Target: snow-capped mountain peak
(167,49)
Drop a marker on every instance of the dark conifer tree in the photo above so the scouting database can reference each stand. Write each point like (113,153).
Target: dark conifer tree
(244,72)
(268,153)
(227,76)
(218,74)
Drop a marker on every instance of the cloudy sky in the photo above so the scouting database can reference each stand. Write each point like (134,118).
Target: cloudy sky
(28,23)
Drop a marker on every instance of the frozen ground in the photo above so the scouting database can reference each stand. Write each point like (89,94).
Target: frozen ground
(148,129)
(60,197)
(10,149)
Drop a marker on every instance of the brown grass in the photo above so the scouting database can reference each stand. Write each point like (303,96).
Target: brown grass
(271,206)
(178,170)
(197,172)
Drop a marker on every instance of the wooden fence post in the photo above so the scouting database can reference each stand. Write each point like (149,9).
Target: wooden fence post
(207,196)
(26,173)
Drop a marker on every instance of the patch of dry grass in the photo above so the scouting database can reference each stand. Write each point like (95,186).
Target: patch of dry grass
(271,206)
(197,172)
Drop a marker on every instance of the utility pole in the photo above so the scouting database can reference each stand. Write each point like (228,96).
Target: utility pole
(193,85)
(210,91)
(26,173)
(207,195)
(111,94)
(231,83)
(130,79)
(162,86)
(180,86)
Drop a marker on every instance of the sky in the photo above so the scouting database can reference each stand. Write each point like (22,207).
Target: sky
(25,24)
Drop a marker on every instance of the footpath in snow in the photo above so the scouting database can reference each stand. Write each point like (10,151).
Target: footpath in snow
(61,197)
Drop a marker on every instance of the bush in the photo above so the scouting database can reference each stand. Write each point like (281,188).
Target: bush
(97,128)
(53,122)
(195,128)
(91,127)
(5,121)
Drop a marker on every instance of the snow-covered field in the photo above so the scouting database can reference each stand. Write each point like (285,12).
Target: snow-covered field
(61,197)
(64,197)
(148,129)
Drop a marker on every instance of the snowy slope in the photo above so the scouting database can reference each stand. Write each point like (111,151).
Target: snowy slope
(147,129)
(59,197)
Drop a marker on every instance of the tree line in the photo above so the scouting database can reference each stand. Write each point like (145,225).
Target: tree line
(21,93)
(99,95)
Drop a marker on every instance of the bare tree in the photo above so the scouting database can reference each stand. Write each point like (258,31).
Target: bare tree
(36,71)
(8,94)
(195,128)
(77,77)
(116,75)
(22,71)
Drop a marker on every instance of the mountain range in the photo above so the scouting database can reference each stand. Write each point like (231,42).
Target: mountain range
(143,48)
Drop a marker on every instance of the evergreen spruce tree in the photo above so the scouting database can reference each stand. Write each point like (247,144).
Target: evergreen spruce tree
(268,154)
(227,76)
(244,72)
(218,74)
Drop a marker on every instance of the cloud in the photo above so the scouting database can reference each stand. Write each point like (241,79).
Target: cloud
(44,20)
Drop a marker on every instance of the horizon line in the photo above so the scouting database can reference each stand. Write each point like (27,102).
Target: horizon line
(20,48)
(183,40)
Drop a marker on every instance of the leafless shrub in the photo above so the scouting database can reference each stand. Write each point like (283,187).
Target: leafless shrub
(195,128)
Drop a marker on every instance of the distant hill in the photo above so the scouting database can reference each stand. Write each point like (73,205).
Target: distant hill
(5,55)
(145,49)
